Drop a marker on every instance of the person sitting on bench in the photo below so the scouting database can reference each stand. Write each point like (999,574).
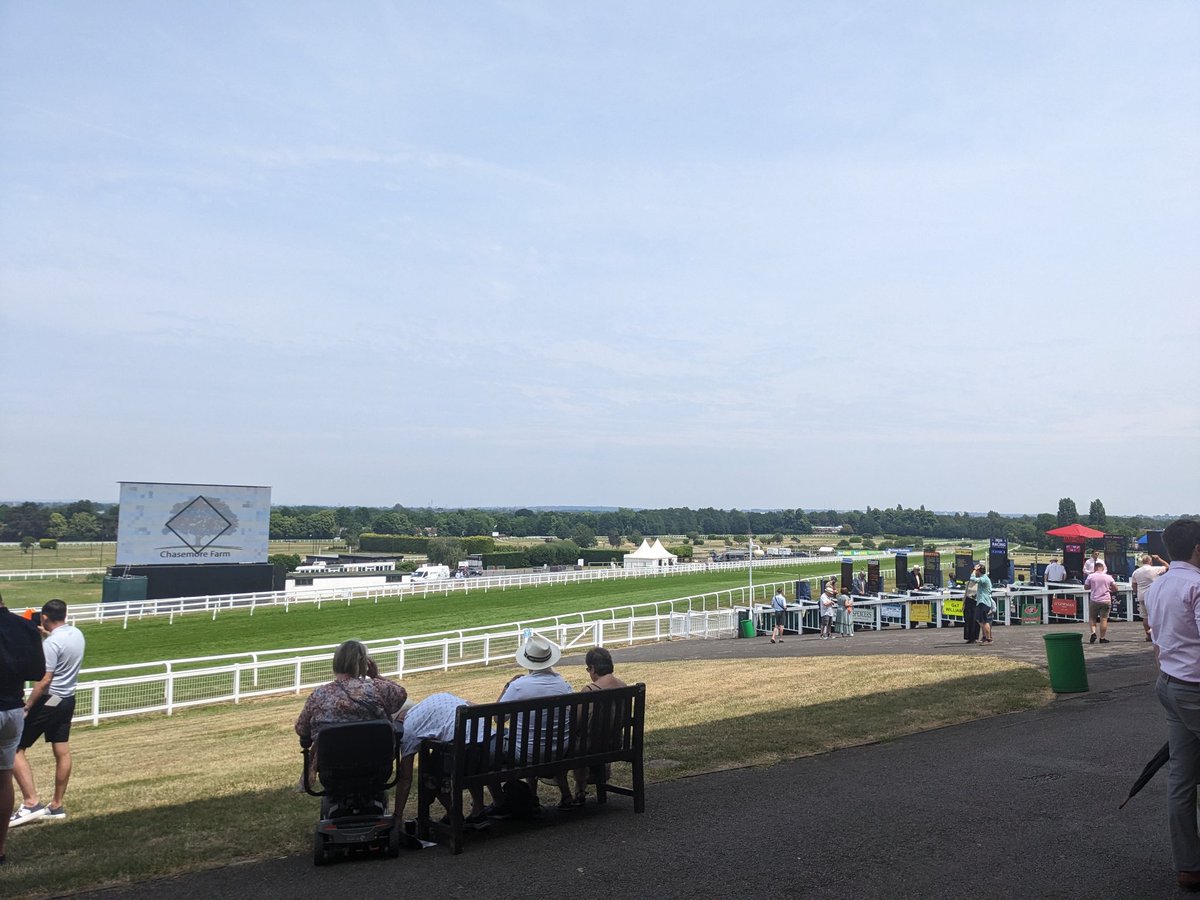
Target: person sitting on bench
(433,717)
(599,665)
(538,656)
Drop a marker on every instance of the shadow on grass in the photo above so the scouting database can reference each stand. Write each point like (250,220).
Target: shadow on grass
(49,858)
(131,846)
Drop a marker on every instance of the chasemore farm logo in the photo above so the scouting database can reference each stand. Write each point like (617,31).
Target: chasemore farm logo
(199,523)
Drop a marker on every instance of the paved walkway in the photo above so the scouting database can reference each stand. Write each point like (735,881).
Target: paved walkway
(1021,805)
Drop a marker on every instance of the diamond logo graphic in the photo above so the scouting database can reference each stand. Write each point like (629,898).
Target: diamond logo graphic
(202,521)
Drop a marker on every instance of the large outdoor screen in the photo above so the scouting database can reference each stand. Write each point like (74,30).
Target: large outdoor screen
(179,524)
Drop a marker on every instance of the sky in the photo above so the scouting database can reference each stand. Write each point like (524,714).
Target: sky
(735,254)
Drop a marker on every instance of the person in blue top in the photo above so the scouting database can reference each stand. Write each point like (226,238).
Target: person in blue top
(778,607)
(985,606)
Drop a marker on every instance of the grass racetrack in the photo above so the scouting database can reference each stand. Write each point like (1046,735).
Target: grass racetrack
(304,625)
(155,796)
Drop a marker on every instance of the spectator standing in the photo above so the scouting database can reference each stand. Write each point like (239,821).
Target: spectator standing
(1055,572)
(1102,588)
(858,585)
(915,581)
(21,660)
(985,606)
(1089,564)
(49,709)
(778,608)
(1173,603)
(847,614)
(828,611)
(1144,576)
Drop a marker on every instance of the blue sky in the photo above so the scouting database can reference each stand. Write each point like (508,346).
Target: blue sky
(745,254)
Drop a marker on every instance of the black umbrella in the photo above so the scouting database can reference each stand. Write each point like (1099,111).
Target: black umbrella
(1153,766)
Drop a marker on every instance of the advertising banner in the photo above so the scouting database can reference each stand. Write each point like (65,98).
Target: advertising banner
(952,608)
(963,561)
(921,612)
(933,568)
(1064,606)
(186,524)
(1031,612)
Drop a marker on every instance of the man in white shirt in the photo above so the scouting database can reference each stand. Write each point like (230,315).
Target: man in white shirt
(1089,564)
(1056,572)
(538,655)
(1144,576)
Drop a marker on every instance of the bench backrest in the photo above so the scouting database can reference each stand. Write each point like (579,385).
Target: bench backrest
(588,726)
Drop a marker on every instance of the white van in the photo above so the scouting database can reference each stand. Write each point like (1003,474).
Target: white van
(429,572)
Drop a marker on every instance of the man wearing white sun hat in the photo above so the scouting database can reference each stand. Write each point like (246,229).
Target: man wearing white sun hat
(538,655)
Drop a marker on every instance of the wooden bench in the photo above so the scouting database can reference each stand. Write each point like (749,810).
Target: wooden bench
(587,730)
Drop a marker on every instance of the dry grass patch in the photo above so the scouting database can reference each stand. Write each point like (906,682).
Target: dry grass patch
(160,795)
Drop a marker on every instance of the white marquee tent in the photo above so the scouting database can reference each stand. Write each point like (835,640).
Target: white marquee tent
(650,556)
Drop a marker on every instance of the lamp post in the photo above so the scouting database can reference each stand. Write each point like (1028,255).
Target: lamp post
(750,568)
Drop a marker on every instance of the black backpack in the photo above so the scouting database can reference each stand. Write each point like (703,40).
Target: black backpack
(21,657)
(519,799)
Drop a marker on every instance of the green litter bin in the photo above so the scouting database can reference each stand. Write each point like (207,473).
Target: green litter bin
(1064,660)
(746,628)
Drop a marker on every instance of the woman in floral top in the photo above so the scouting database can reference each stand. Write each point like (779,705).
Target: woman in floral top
(352,696)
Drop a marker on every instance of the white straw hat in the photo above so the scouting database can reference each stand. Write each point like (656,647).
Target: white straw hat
(538,653)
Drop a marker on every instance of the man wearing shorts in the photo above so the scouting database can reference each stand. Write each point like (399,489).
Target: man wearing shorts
(48,712)
(20,661)
(985,606)
(1101,586)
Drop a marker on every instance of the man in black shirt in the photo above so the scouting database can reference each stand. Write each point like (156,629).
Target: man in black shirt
(21,660)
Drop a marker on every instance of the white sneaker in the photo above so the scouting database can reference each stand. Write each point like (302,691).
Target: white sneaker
(26,814)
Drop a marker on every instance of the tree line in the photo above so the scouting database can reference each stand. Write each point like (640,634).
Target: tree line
(85,520)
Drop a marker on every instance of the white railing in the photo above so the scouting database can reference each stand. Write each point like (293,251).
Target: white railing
(174,689)
(138,609)
(42,574)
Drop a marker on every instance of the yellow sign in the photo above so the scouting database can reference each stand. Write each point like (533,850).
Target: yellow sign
(952,608)
(920,612)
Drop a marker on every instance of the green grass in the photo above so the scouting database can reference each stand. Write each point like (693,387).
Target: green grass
(67,556)
(197,634)
(21,594)
(197,772)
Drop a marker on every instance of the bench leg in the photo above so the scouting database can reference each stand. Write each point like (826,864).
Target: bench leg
(639,786)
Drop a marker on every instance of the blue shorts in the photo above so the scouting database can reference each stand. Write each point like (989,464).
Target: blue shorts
(12,721)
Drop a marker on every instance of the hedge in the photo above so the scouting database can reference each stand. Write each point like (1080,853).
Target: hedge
(513,559)
(419,544)
(683,552)
(48,543)
(592,556)
(393,543)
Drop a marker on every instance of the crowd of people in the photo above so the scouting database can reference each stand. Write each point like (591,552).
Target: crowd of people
(357,693)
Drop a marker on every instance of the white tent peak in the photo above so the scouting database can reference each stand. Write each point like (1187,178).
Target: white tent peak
(650,555)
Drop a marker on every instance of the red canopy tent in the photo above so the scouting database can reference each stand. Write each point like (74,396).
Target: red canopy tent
(1076,532)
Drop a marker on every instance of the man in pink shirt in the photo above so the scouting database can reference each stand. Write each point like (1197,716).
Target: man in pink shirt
(1103,589)
(1173,605)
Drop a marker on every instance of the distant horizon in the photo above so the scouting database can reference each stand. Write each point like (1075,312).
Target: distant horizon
(609,508)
